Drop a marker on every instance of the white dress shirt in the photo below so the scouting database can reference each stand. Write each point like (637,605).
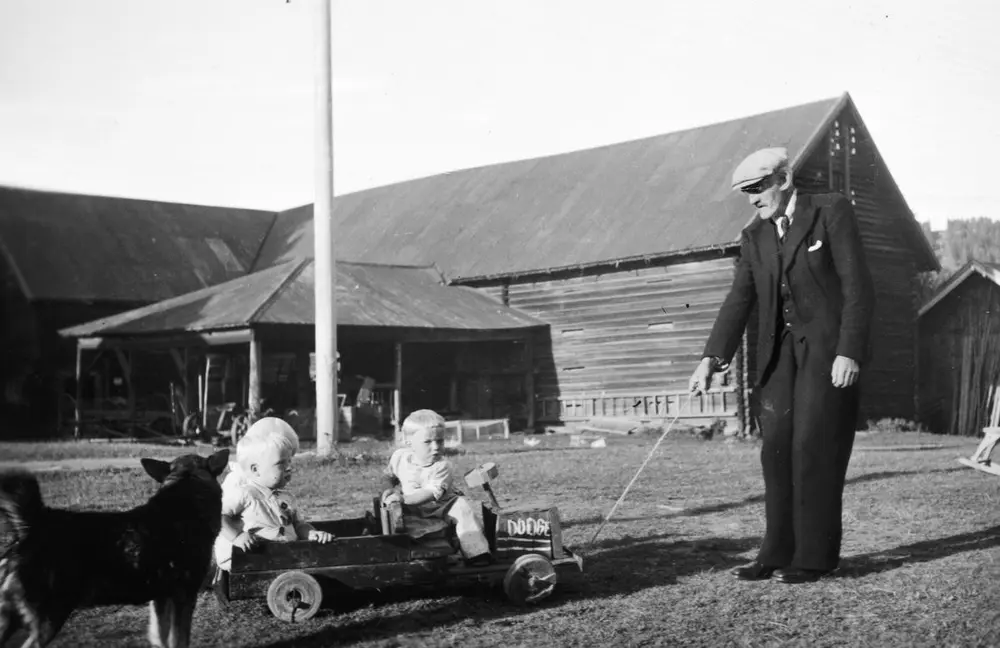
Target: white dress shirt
(789,212)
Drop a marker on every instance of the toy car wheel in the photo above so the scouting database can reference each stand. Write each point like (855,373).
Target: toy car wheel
(294,596)
(529,580)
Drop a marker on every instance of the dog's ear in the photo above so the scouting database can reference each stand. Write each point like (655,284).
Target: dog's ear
(156,469)
(218,461)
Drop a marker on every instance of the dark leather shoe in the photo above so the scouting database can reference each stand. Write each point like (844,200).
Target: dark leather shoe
(482,560)
(795,576)
(753,572)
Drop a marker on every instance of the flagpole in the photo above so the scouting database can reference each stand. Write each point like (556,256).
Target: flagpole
(325,261)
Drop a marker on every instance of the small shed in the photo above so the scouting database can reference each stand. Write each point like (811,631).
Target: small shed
(959,351)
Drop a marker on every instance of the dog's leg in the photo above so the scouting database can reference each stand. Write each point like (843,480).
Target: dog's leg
(42,622)
(10,621)
(180,628)
(161,613)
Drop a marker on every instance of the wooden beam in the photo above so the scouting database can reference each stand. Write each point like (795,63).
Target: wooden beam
(529,381)
(126,366)
(180,358)
(203,396)
(847,158)
(168,340)
(187,382)
(830,156)
(253,395)
(302,382)
(77,417)
(179,362)
(397,393)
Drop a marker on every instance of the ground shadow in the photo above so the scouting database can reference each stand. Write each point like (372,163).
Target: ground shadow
(626,565)
(757,498)
(918,552)
(612,567)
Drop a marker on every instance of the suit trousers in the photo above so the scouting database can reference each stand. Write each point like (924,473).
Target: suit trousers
(808,429)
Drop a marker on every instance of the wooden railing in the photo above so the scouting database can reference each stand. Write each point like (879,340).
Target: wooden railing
(722,403)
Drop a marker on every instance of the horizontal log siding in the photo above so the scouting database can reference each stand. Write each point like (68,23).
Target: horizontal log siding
(600,332)
(628,335)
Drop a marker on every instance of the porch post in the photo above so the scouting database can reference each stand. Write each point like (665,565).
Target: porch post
(77,415)
(397,393)
(529,381)
(302,382)
(253,395)
(453,392)
(186,357)
(126,362)
(180,357)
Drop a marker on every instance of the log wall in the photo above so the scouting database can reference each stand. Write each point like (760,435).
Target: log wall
(623,342)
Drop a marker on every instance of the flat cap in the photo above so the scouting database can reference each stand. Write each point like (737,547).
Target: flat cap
(759,165)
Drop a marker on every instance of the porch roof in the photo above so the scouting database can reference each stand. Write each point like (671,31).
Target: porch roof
(368,296)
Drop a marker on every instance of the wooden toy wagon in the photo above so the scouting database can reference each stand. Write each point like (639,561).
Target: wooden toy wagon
(374,552)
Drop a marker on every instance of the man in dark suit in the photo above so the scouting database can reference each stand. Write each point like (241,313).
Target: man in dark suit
(802,263)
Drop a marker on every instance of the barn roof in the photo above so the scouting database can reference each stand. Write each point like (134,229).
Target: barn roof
(650,197)
(989,271)
(94,248)
(367,295)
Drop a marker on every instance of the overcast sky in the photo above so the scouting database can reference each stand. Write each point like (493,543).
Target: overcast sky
(211,101)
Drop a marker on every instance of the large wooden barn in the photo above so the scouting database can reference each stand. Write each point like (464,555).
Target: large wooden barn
(959,352)
(627,252)
(624,253)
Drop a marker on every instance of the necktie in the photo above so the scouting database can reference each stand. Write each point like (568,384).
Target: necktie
(782,226)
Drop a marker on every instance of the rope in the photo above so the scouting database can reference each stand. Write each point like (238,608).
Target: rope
(636,476)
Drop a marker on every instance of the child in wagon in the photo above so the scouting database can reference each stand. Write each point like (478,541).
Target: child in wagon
(421,479)
(255,505)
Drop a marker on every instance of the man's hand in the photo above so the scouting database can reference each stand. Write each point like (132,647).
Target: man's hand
(845,372)
(391,496)
(322,537)
(245,541)
(701,379)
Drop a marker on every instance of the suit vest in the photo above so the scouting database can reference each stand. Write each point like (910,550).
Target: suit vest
(788,319)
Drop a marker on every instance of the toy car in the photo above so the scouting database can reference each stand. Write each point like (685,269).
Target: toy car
(374,552)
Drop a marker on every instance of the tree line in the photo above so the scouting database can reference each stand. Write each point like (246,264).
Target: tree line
(959,242)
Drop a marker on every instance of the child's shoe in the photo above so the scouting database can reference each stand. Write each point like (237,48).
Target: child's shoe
(482,560)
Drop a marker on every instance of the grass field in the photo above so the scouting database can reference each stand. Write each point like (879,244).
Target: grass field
(921,555)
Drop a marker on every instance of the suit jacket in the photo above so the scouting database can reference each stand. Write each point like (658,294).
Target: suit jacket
(823,262)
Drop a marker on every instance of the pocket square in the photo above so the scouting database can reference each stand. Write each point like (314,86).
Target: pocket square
(815,246)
